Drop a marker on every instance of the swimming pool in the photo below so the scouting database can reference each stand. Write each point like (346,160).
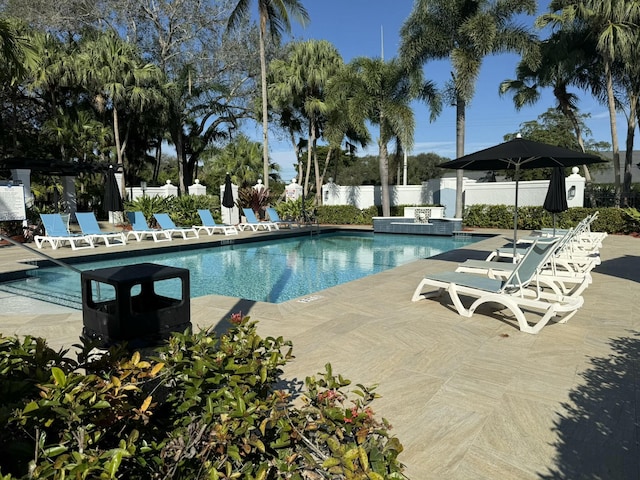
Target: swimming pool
(274,271)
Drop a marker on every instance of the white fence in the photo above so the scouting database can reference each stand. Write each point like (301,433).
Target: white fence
(443,192)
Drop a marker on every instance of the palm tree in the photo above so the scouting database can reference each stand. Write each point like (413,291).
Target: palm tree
(16,52)
(464,31)
(381,93)
(241,157)
(113,72)
(613,25)
(300,79)
(566,59)
(273,14)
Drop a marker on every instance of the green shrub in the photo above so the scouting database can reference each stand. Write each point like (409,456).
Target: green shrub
(346,215)
(610,220)
(201,406)
(633,220)
(183,210)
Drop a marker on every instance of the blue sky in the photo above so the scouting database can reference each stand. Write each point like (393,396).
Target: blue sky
(365,27)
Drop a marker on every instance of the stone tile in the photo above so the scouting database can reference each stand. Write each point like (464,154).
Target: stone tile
(469,398)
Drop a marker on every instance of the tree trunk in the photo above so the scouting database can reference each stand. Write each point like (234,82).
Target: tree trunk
(384,178)
(460,128)
(310,142)
(116,137)
(316,171)
(628,157)
(265,109)
(614,130)
(158,157)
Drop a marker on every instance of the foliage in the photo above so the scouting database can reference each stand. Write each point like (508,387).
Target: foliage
(241,158)
(554,128)
(633,218)
(292,210)
(610,220)
(255,199)
(346,215)
(11,228)
(149,205)
(183,210)
(201,406)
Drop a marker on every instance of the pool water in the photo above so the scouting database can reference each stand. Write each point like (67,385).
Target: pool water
(274,271)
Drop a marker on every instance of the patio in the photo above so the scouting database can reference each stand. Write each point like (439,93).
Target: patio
(468,397)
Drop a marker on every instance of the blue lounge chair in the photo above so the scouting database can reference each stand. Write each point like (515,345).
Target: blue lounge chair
(89,226)
(254,224)
(166,224)
(519,292)
(56,234)
(140,229)
(275,218)
(210,226)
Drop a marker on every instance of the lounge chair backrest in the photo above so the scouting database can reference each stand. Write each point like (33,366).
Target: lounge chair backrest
(137,221)
(164,220)
(88,223)
(251,217)
(526,269)
(207,218)
(54,225)
(273,215)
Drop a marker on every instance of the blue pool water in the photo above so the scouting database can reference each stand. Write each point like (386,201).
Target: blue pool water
(268,271)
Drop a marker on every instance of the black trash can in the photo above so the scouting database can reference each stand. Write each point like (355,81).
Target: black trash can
(139,304)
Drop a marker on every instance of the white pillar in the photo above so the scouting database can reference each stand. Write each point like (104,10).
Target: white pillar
(197,188)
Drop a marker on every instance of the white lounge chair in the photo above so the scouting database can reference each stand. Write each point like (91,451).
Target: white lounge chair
(56,234)
(141,230)
(561,277)
(254,224)
(210,226)
(275,218)
(166,224)
(519,292)
(89,226)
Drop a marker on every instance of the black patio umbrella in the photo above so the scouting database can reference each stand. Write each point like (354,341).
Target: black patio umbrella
(227,195)
(556,199)
(112,201)
(518,154)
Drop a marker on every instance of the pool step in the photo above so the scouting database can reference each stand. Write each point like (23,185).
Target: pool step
(63,299)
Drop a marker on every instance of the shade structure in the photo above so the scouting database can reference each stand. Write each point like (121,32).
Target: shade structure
(518,154)
(112,201)
(556,199)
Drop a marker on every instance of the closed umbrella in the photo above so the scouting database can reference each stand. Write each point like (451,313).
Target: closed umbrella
(556,199)
(518,154)
(227,195)
(112,201)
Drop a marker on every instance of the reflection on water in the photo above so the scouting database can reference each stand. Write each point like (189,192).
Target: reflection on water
(275,270)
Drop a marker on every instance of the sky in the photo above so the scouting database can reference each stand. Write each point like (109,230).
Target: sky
(371,27)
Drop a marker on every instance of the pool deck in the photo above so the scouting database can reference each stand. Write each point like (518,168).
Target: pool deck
(469,398)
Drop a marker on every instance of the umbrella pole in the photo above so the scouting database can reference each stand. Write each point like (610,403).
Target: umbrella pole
(515,216)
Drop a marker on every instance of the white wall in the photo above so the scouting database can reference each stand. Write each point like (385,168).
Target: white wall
(442,191)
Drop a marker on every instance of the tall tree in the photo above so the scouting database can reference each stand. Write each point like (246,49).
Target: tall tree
(300,80)
(613,25)
(273,15)
(381,93)
(208,74)
(464,31)
(566,60)
(113,72)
